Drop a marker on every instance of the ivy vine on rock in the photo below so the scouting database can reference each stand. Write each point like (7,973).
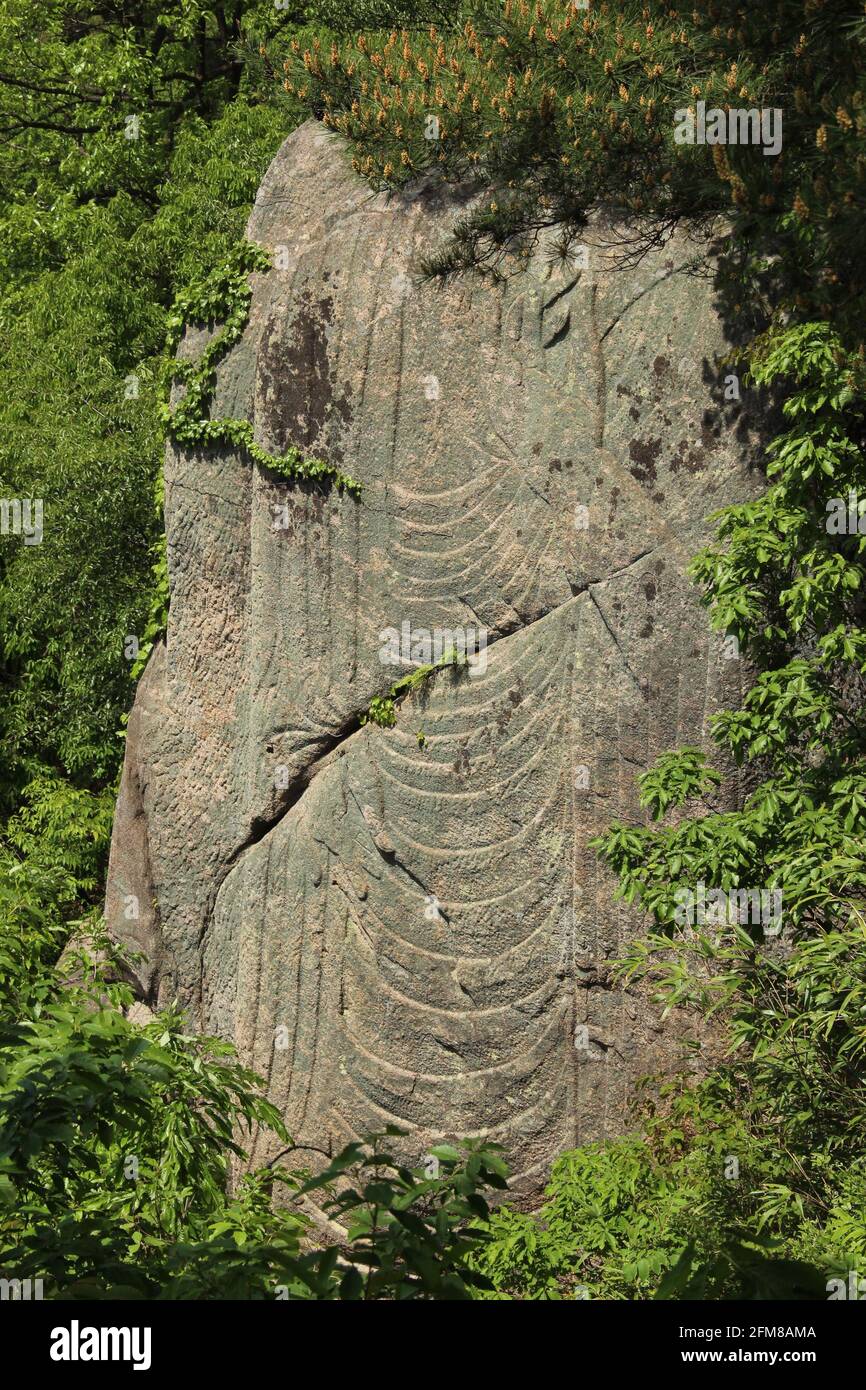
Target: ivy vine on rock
(224,296)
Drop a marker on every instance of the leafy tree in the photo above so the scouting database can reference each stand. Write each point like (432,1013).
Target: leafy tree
(411,1233)
(116,1140)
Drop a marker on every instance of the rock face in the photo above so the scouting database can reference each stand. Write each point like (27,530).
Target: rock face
(406,924)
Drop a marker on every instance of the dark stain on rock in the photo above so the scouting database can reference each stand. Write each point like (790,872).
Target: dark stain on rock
(514,698)
(661,365)
(643,454)
(302,404)
(711,424)
(634,412)
(693,457)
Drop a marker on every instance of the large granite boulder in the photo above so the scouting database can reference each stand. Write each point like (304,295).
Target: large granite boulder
(406,924)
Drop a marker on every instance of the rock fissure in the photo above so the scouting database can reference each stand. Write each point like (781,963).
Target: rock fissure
(262,826)
(647,289)
(614,638)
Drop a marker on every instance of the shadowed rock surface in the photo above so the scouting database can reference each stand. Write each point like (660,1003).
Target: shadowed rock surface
(394,928)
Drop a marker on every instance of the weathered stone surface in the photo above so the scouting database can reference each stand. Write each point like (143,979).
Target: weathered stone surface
(420,921)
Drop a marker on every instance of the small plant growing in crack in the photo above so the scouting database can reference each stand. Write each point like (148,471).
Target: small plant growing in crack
(383,708)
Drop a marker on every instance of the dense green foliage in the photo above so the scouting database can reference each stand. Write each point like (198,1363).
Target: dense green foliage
(134,139)
(116,1140)
(655,1215)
